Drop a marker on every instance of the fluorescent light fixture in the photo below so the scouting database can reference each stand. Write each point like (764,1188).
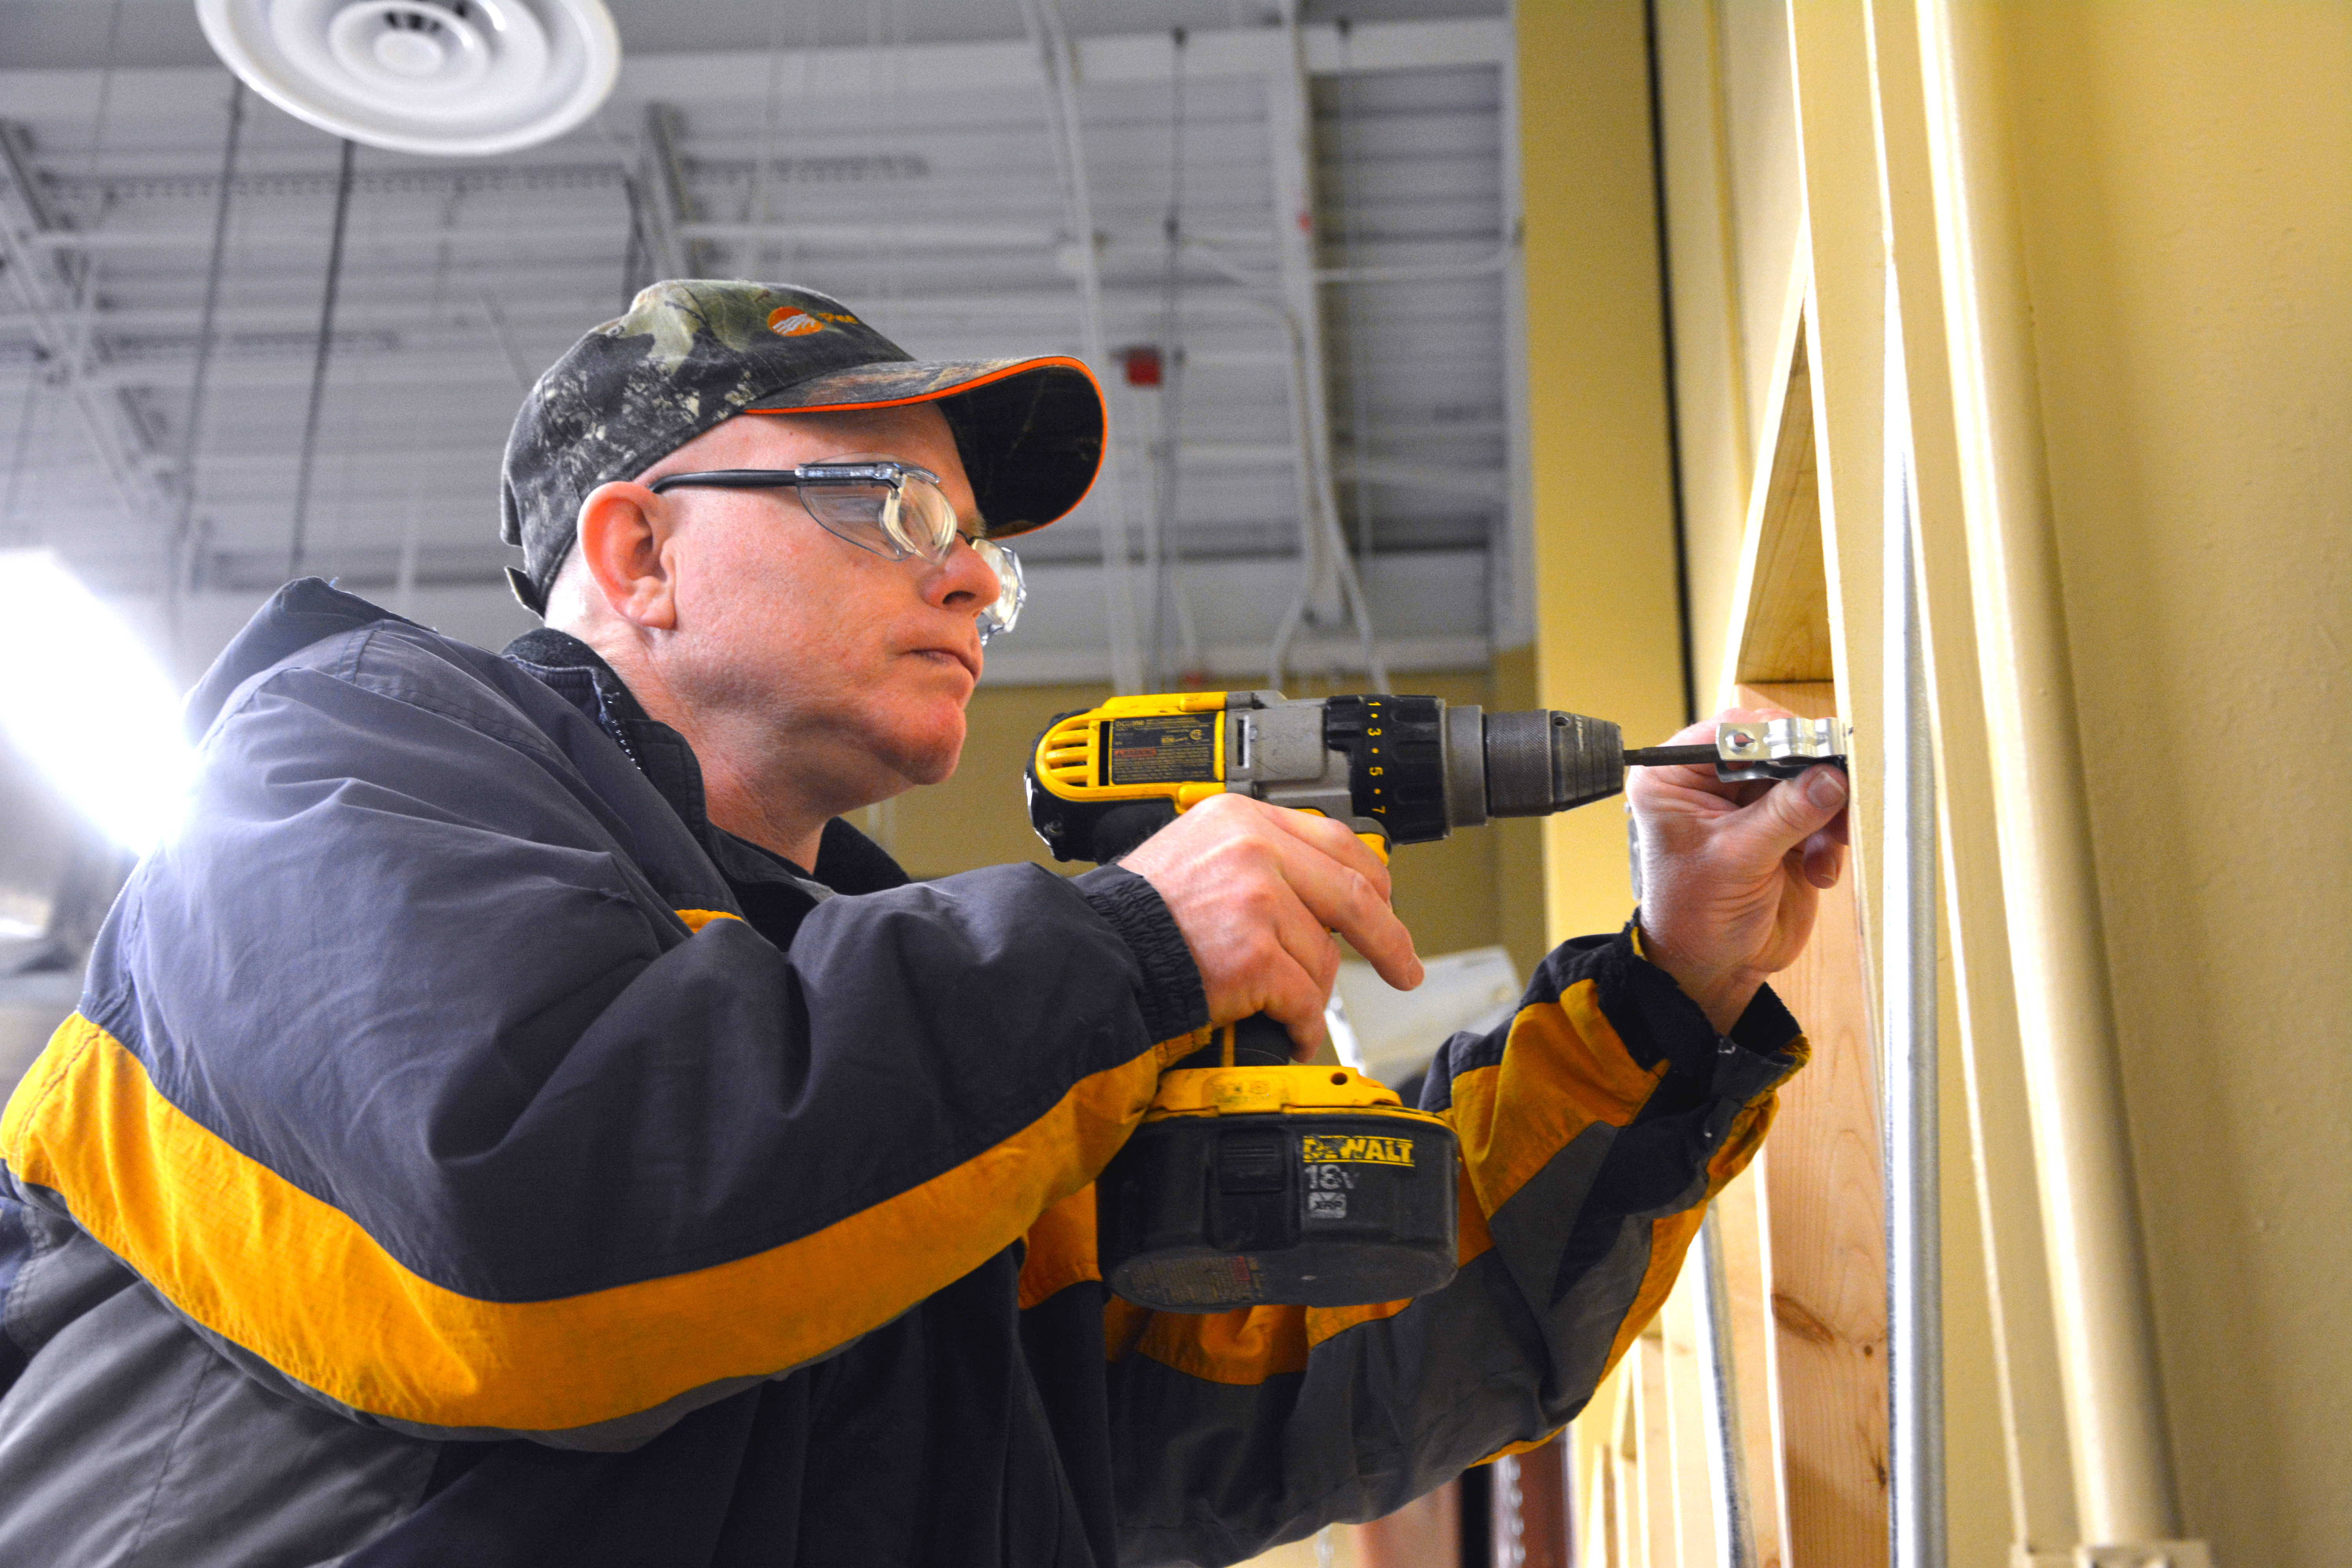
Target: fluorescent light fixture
(81,698)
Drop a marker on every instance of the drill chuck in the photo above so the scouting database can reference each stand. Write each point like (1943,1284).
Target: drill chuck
(1546,761)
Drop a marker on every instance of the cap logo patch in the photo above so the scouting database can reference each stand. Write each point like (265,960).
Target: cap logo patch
(792,322)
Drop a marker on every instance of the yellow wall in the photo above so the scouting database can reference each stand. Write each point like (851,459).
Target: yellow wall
(1607,632)
(1734,206)
(1607,639)
(2185,188)
(2187,199)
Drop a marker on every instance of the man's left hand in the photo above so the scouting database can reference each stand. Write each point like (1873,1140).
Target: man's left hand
(1731,873)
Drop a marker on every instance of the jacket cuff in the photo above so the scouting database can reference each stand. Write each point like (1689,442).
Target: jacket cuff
(1171,995)
(1764,1046)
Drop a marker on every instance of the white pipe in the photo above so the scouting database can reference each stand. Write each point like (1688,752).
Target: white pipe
(1053,41)
(1914,1265)
(2098,1277)
(1329,588)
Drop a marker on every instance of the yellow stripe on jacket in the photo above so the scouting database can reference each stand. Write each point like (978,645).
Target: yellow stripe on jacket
(249,1256)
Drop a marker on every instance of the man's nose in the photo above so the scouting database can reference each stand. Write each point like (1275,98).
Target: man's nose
(962,576)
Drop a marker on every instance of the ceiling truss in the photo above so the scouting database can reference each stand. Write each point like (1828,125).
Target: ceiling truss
(1343,270)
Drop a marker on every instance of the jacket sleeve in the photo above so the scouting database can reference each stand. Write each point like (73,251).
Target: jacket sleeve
(399,1079)
(1594,1128)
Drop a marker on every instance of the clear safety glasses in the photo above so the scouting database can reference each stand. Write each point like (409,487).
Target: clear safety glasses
(893,508)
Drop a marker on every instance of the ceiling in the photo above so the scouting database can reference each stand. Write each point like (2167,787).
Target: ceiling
(900,156)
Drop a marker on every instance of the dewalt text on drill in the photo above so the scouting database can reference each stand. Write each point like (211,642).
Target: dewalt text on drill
(1254,1179)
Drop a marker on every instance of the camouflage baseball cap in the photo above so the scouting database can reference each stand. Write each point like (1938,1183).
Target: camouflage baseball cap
(693,351)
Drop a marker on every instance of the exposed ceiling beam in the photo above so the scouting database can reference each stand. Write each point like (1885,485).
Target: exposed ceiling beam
(141,93)
(47,295)
(459,315)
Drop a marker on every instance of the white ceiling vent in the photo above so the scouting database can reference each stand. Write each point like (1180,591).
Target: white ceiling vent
(455,77)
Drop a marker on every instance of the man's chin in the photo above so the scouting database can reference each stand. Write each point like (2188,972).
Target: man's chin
(932,759)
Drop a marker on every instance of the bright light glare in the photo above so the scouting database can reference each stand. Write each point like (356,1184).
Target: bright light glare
(81,698)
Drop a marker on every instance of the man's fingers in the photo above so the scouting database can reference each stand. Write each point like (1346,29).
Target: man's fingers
(1793,811)
(1257,891)
(1823,857)
(1310,946)
(1296,999)
(1340,880)
(1337,840)
(1346,900)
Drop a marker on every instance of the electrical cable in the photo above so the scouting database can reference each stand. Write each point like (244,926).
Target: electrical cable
(83,274)
(25,411)
(1167,551)
(633,254)
(405,568)
(756,207)
(894,252)
(176,556)
(319,364)
(1351,187)
(105,86)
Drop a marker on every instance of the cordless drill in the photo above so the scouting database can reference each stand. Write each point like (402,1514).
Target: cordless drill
(1254,1179)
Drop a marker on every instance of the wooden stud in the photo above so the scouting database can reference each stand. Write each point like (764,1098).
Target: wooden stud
(1654,1421)
(1783,589)
(1690,1425)
(1602,1543)
(1625,1456)
(1423,1532)
(1820,1183)
(1738,1212)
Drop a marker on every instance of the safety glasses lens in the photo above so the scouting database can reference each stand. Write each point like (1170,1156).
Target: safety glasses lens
(1011,592)
(864,513)
(905,514)
(924,520)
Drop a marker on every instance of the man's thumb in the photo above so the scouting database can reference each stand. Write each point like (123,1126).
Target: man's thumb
(1804,807)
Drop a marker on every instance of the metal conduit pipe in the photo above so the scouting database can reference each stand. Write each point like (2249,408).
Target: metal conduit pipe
(1915,1275)
(2098,1274)
(176,547)
(1727,1456)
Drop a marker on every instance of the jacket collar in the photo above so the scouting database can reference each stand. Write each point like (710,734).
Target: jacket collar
(577,673)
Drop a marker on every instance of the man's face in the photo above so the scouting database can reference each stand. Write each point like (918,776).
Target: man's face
(848,669)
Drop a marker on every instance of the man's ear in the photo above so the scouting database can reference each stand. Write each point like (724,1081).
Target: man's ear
(624,537)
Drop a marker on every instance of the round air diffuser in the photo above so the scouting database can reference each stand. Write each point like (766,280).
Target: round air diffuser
(456,78)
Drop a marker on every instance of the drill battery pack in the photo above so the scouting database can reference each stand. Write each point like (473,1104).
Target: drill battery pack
(1301,1184)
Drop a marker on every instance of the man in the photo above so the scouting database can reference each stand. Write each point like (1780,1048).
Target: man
(517,1121)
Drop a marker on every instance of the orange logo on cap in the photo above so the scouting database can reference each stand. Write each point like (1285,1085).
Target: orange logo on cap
(792,322)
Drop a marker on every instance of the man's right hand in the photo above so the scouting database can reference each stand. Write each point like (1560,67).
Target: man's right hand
(1257,891)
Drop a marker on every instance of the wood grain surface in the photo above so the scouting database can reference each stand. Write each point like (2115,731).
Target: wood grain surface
(1820,1189)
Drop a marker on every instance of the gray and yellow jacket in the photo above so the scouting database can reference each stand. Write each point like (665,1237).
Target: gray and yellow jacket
(466,1153)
